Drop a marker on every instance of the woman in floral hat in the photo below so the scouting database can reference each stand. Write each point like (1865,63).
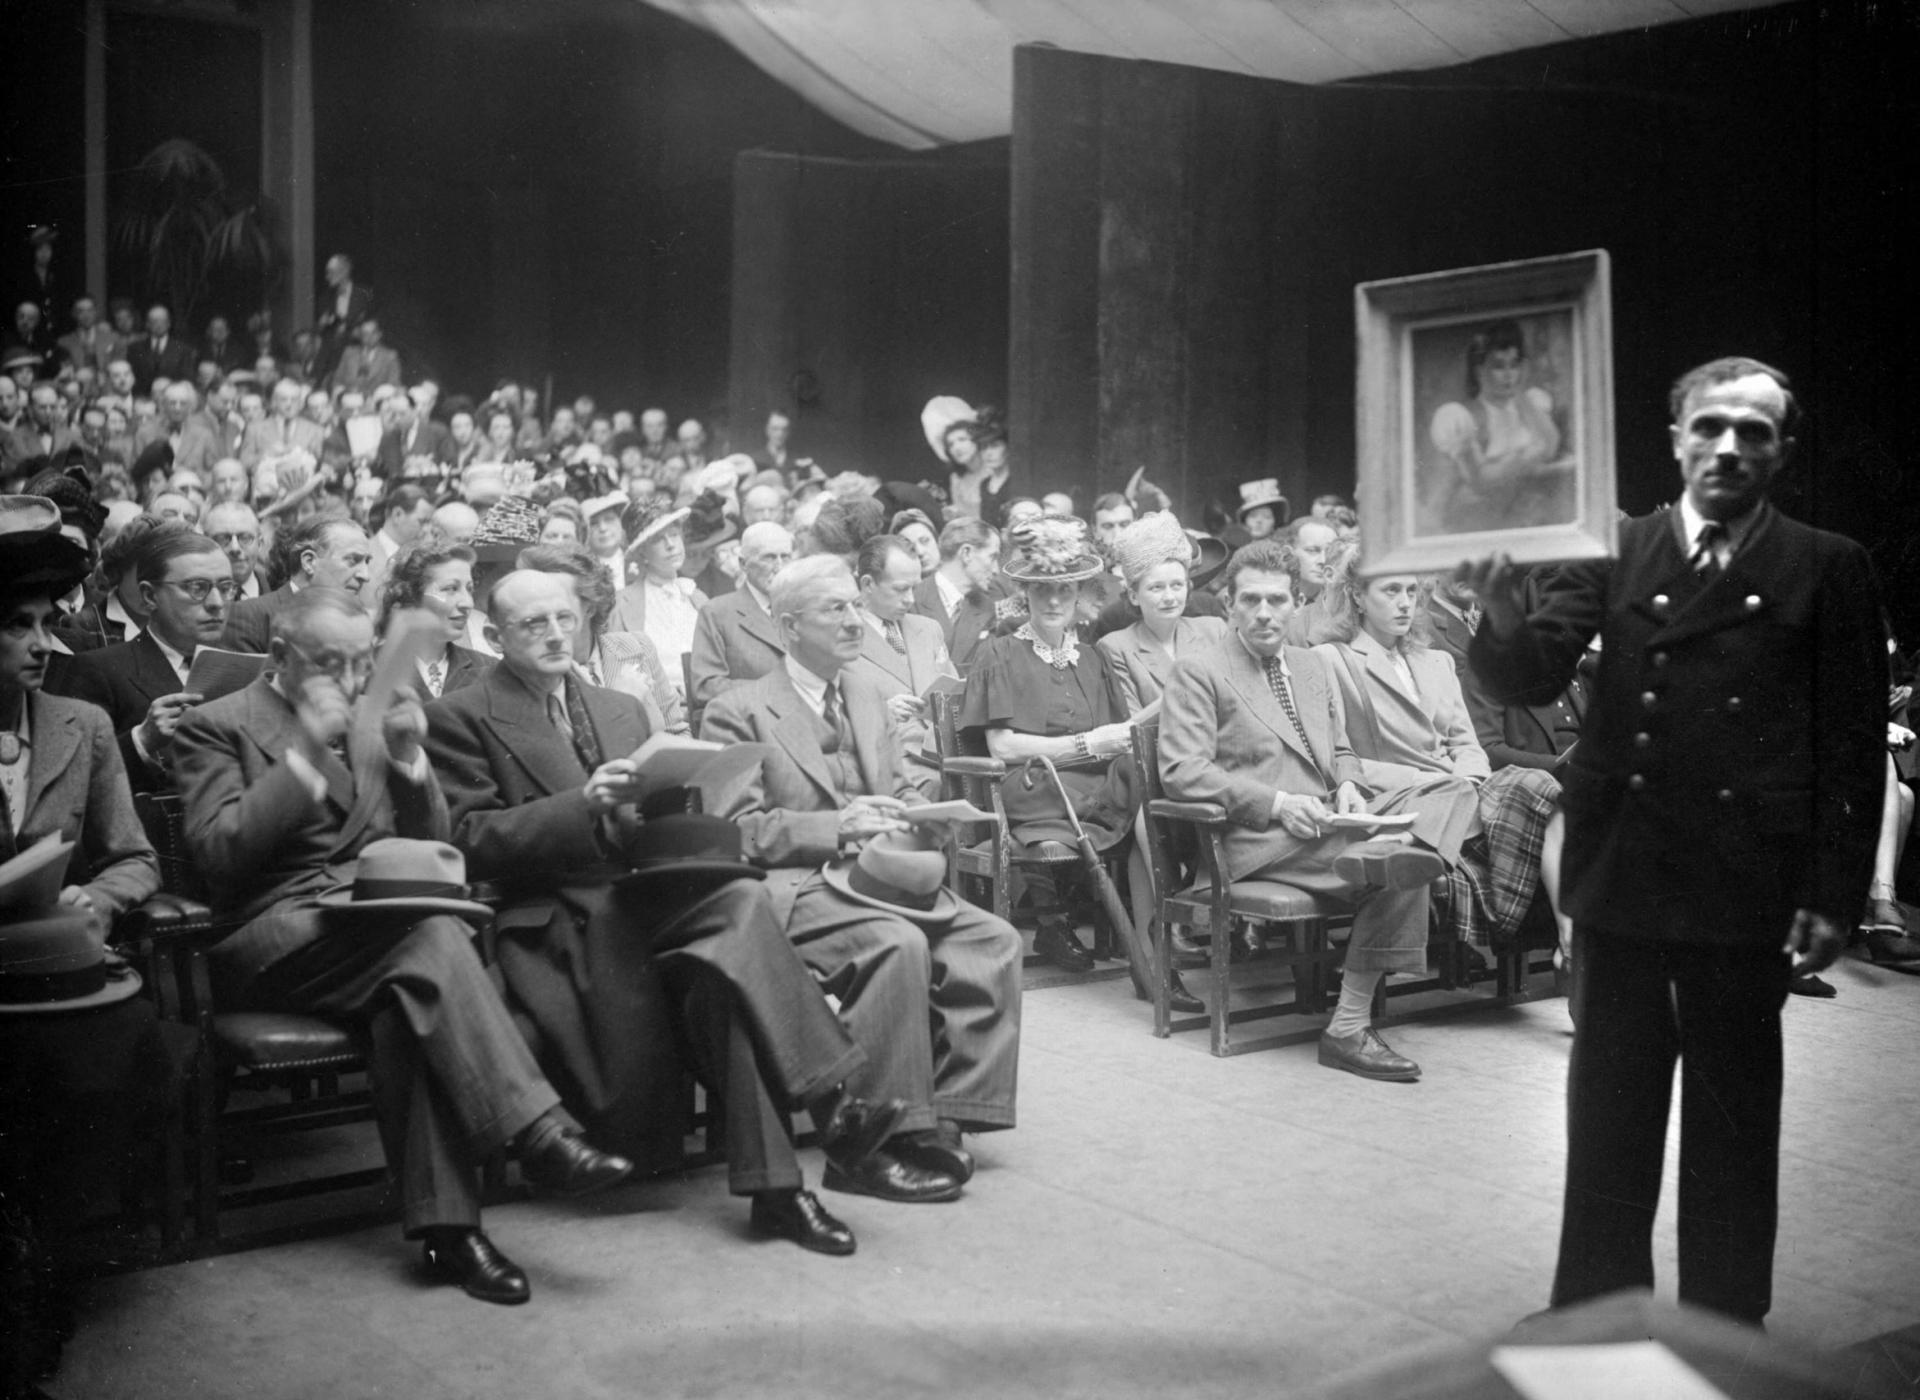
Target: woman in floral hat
(1039,691)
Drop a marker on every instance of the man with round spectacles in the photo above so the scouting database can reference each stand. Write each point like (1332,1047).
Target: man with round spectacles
(187,581)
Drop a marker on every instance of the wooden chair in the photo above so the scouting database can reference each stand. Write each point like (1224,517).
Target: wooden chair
(982,860)
(310,1060)
(1305,920)
(1216,905)
(686,679)
(304,1057)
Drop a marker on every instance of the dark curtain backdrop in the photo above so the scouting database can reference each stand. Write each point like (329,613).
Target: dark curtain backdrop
(1186,245)
(546,189)
(861,290)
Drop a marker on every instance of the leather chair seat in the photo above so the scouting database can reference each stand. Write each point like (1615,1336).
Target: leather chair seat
(269,1041)
(1038,852)
(1256,899)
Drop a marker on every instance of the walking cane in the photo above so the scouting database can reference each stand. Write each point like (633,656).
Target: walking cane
(1096,869)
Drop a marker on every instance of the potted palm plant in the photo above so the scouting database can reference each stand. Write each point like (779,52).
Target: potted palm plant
(186,226)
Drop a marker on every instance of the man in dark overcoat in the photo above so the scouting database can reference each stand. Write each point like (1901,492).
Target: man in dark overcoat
(609,971)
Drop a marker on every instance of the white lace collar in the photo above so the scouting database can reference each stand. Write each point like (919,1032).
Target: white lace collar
(1066,655)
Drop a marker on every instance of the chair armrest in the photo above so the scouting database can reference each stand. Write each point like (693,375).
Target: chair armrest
(967,767)
(1200,813)
(163,919)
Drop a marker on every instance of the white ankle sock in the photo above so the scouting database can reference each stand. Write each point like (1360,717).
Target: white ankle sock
(1355,1011)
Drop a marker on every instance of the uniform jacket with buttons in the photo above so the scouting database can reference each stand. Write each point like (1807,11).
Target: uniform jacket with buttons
(1730,767)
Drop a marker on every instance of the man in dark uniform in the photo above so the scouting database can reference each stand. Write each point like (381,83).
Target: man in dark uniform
(1721,814)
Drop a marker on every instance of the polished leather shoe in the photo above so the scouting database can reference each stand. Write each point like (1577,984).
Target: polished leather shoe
(1179,999)
(468,1258)
(799,1216)
(1805,984)
(937,1149)
(1889,949)
(1059,945)
(1188,951)
(1368,1056)
(1388,865)
(567,1166)
(855,1129)
(887,1177)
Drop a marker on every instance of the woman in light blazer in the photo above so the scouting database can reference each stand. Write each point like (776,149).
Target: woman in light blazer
(1155,556)
(1407,721)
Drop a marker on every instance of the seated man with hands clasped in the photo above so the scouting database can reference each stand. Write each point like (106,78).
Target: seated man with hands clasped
(284,813)
(1257,727)
(929,984)
(622,936)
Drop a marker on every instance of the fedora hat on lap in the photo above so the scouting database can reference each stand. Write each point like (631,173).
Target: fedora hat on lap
(406,876)
(902,872)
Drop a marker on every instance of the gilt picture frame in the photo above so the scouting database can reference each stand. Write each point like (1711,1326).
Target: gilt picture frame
(1484,403)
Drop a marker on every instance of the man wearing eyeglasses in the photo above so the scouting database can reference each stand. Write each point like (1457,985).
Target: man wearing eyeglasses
(187,581)
(236,529)
(325,551)
(281,800)
(615,967)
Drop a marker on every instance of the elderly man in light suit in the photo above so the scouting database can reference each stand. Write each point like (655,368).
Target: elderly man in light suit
(736,638)
(1258,727)
(934,1001)
(901,653)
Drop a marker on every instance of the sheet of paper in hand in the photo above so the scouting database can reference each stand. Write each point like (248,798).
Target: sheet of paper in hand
(363,434)
(412,635)
(1374,821)
(31,880)
(215,673)
(673,760)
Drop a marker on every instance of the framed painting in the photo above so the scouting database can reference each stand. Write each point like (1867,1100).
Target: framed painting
(1485,415)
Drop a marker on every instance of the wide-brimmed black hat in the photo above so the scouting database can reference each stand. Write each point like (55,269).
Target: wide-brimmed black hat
(1210,556)
(54,960)
(686,846)
(33,552)
(708,522)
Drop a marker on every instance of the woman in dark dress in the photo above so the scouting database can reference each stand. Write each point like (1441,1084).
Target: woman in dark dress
(1041,692)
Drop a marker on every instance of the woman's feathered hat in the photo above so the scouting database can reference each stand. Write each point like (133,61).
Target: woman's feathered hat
(1051,549)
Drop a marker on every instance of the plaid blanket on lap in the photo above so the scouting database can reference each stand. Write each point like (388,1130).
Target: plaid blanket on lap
(1484,898)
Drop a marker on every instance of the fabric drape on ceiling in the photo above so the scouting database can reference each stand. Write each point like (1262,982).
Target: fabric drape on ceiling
(922,73)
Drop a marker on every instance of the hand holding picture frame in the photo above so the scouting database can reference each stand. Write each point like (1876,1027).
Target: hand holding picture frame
(1485,414)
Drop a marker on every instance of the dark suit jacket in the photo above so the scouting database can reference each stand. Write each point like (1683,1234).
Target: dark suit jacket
(1731,767)
(971,624)
(177,361)
(431,440)
(77,789)
(514,783)
(465,666)
(124,680)
(573,949)
(1524,736)
(258,835)
(250,623)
